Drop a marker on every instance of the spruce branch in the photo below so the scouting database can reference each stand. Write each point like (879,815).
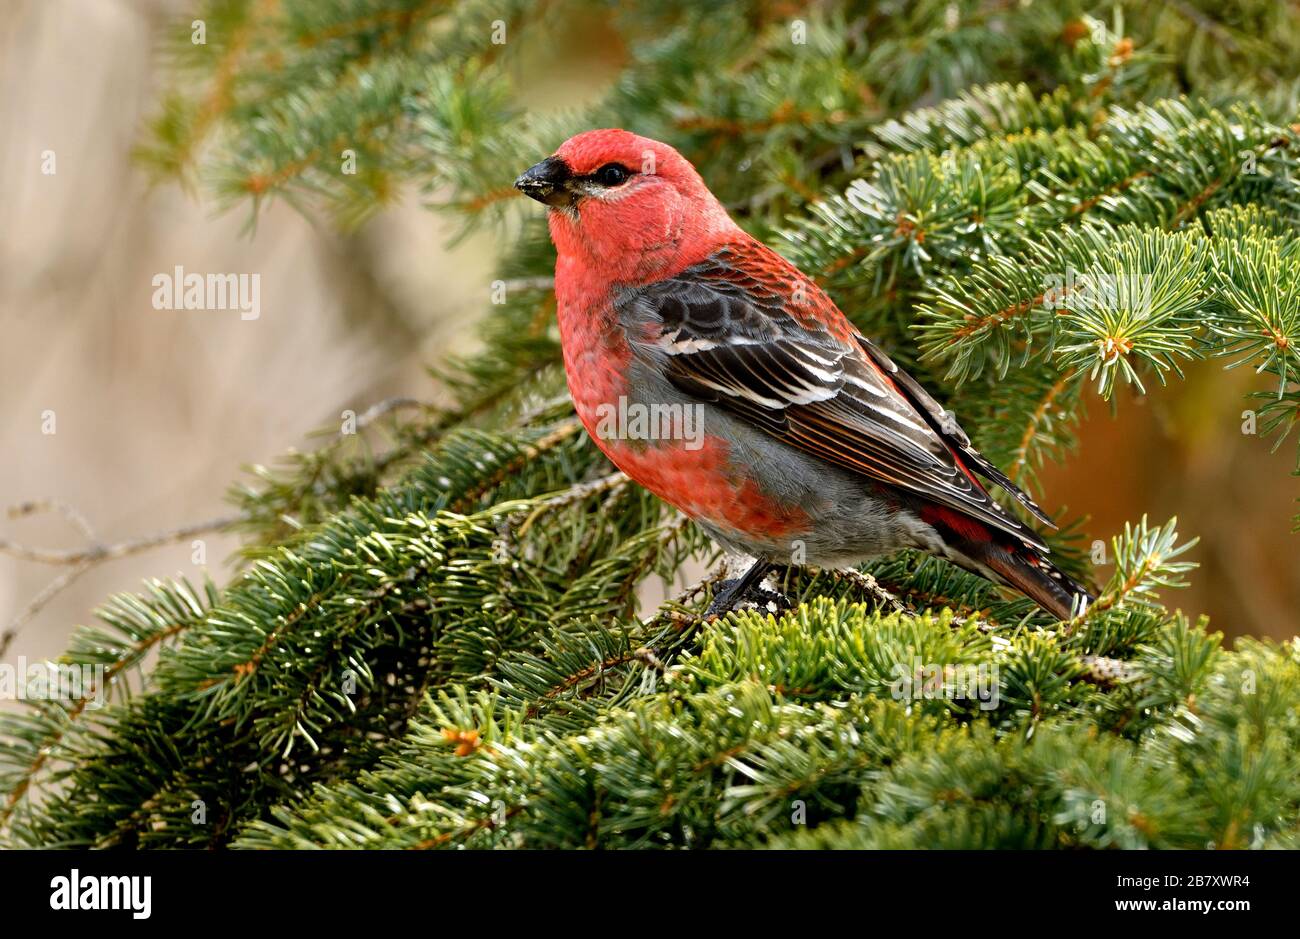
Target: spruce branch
(1144,563)
(133,627)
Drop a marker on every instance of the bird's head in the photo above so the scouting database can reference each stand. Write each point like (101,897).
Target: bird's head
(619,199)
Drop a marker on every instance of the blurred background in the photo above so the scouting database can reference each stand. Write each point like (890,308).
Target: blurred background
(155,411)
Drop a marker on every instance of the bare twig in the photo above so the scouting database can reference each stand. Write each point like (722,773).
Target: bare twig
(387,406)
(24,509)
(868,584)
(39,602)
(79,561)
(98,553)
(59,583)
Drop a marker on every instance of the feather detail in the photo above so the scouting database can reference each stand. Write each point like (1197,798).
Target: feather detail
(747,331)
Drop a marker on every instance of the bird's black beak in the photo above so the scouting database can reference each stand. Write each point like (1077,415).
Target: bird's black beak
(546,181)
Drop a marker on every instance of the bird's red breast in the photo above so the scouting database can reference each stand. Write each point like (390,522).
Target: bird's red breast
(702,481)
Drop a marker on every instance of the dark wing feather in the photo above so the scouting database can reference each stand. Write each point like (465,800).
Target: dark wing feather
(945,425)
(724,335)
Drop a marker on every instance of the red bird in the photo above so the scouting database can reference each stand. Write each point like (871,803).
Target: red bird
(808,443)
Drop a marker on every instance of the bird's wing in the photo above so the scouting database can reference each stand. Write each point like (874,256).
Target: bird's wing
(735,331)
(944,423)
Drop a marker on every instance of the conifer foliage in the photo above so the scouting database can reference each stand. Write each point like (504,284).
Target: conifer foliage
(437,636)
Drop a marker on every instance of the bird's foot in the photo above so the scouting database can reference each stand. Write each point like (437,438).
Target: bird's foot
(748,592)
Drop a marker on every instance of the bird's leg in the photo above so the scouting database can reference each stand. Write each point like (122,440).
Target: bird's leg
(734,590)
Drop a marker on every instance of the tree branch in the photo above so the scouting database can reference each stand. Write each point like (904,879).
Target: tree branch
(98,553)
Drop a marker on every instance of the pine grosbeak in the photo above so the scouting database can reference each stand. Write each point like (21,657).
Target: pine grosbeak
(815,447)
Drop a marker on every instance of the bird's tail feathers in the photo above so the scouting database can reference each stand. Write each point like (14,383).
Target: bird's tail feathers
(1025,570)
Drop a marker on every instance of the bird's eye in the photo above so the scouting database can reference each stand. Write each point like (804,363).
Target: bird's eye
(612,174)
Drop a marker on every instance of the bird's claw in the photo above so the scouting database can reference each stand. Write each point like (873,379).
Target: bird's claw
(759,597)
